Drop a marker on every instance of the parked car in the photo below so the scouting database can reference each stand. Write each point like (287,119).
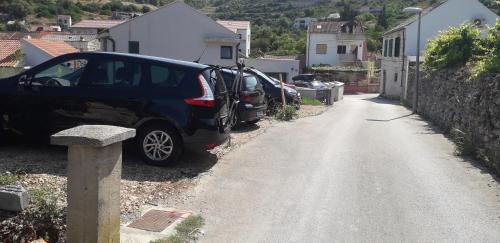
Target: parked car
(273,91)
(174,105)
(306,77)
(251,105)
(285,84)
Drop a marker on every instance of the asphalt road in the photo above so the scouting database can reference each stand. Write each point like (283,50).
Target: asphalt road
(364,171)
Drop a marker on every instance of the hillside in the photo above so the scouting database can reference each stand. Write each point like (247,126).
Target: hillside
(271,19)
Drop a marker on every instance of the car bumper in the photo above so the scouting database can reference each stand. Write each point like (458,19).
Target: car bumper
(251,113)
(205,139)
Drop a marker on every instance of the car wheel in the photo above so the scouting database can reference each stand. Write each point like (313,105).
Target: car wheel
(159,145)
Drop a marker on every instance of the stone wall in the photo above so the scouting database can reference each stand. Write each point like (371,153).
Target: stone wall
(451,100)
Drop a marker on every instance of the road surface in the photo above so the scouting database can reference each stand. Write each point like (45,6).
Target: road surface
(366,170)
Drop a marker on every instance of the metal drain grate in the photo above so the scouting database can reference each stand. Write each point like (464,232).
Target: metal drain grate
(155,220)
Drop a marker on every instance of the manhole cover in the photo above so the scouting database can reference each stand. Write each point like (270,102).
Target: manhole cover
(155,220)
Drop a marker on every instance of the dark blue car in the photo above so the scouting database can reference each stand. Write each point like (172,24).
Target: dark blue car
(174,105)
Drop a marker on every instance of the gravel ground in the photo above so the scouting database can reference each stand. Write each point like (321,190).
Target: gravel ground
(44,166)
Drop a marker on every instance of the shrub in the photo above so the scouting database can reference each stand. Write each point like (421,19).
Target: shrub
(490,60)
(463,143)
(453,47)
(286,114)
(7,178)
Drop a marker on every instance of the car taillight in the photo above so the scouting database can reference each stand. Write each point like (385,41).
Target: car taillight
(207,96)
(245,97)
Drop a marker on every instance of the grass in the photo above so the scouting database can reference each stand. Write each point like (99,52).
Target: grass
(286,114)
(8,179)
(309,101)
(186,231)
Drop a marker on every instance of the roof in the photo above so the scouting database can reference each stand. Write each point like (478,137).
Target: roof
(52,48)
(12,35)
(9,47)
(234,25)
(415,17)
(97,24)
(326,27)
(69,37)
(144,57)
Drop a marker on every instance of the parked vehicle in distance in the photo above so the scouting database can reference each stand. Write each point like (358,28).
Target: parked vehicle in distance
(251,105)
(305,77)
(317,85)
(273,91)
(285,84)
(174,105)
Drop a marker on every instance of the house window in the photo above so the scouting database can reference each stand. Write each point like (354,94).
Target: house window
(385,48)
(341,49)
(397,46)
(133,47)
(321,49)
(391,44)
(395,77)
(226,52)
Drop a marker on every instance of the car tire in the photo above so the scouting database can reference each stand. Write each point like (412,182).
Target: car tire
(159,144)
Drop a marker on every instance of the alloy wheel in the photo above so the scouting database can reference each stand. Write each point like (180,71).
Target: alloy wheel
(158,145)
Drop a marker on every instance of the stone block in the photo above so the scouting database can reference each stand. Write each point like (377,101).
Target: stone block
(92,135)
(13,198)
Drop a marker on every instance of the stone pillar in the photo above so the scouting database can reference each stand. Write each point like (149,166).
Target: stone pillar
(94,174)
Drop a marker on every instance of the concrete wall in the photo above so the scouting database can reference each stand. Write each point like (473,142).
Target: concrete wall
(451,13)
(176,31)
(245,41)
(451,101)
(32,55)
(289,66)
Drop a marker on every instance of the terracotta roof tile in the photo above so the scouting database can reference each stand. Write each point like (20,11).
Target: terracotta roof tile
(7,50)
(97,24)
(234,25)
(53,48)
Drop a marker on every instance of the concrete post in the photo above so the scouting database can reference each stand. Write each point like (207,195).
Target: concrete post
(94,174)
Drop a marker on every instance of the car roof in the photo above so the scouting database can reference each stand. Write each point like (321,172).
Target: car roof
(245,73)
(136,56)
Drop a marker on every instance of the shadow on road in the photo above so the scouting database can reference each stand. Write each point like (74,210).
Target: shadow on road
(381,100)
(392,119)
(243,128)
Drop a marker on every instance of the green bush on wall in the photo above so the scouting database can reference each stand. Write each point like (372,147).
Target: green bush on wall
(453,47)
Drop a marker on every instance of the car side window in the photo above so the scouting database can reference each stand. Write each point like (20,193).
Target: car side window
(166,77)
(116,74)
(64,74)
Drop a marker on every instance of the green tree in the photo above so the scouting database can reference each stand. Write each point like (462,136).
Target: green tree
(382,18)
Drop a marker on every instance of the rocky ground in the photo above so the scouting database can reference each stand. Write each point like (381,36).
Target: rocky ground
(45,167)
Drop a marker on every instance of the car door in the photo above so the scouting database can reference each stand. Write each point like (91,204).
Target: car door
(44,99)
(113,92)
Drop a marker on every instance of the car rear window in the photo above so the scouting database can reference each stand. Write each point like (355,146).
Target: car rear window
(167,77)
(251,83)
(215,80)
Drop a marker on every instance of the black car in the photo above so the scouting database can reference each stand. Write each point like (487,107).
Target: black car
(273,91)
(306,77)
(174,105)
(251,105)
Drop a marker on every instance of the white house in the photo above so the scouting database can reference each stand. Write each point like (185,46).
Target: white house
(175,31)
(400,43)
(93,27)
(80,42)
(242,28)
(64,21)
(335,43)
(303,23)
(288,67)
(37,51)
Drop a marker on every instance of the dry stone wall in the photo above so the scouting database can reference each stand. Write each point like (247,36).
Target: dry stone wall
(451,100)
